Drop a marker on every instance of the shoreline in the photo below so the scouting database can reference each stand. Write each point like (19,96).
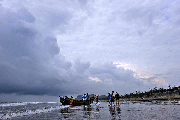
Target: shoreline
(161,98)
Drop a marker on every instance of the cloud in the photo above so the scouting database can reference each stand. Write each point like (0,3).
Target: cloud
(159,82)
(24,54)
(80,67)
(67,47)
(95,79)
(25,15)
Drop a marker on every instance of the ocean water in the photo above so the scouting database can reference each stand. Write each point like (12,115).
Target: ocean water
(156,110)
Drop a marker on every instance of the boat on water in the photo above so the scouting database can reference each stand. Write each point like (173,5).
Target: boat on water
(67,101)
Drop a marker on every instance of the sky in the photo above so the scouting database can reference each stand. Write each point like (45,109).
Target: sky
(71,47)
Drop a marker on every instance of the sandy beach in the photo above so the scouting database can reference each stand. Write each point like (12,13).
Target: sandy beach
(126,110)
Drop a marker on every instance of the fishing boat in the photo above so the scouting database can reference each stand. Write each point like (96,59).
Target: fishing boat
(67,101)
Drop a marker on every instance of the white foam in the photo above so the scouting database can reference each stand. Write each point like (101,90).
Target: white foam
(18,104)
(52,102)
(13,104)
(30,112)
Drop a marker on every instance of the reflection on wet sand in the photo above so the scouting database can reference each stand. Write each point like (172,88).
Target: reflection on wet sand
(80,112)
(87,111)
(126,110)
(65,112)
(91,112)
(115,112)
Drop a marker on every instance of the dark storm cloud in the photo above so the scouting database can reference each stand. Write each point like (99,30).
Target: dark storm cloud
(64,47)
(31,63)
(24,55)
(81,67)
(109,70)
(25,15)
(62,63)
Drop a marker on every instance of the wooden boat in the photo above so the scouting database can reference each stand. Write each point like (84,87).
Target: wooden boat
(66,101)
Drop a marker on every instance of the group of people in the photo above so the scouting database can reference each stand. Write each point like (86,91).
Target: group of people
(113,97)
(87,100)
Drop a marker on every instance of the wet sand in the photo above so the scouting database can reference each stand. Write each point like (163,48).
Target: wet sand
(127,110)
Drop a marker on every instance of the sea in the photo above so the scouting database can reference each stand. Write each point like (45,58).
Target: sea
(126,110)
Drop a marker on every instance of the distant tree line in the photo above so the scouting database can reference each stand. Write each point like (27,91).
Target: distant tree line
(154,93)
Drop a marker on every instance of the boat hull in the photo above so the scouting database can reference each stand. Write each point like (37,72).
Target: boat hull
(67,101)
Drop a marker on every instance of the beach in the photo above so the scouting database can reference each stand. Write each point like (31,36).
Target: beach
(127,110)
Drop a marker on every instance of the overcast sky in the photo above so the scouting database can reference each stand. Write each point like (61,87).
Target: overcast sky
(69,47)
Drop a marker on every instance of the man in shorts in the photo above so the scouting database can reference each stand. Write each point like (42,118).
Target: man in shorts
(117,98)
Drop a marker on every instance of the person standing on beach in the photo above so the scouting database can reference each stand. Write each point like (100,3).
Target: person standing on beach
(84,99)
(88,99)
(117,98)
(112,97)
(109,97)
(96,99)
(71,100)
